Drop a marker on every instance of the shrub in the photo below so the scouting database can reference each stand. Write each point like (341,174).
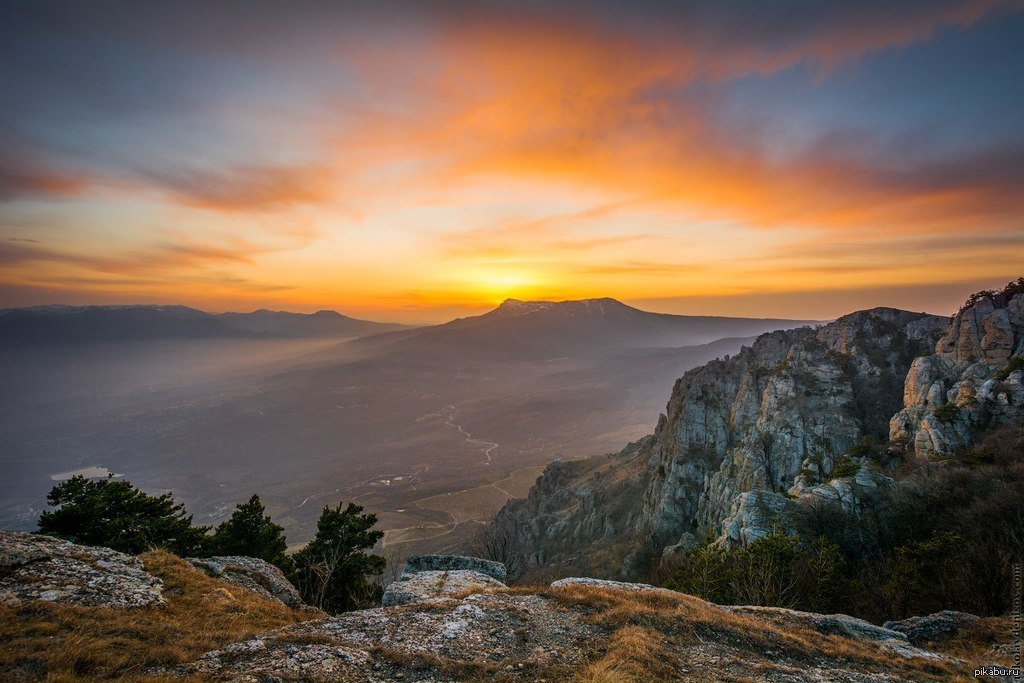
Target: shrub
(331,571)
(250,532)
(115,514)
(947,413)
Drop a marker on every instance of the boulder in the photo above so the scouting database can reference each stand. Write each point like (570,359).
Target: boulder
(35,567)
(428,585)
(429,563)
(932,627)
(613,585)
(252,573)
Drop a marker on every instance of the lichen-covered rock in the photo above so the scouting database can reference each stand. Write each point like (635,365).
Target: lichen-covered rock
(932,627)
(252,573)
(429,585)
(432,563)
(838,625)
(35,567)
(422,642)
(611,585)
(555,634)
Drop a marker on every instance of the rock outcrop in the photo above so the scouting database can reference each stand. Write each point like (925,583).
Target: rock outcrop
(555,634)
(430,585)
(430,577)
(932,627)
(34,567)
(423,563)
(791,418)
(251,573)
(974,380)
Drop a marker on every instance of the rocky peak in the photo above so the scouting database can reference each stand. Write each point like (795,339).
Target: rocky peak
(579,308)
(787,417)
(973,381)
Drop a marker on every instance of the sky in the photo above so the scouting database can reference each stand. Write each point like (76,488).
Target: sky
(415,161)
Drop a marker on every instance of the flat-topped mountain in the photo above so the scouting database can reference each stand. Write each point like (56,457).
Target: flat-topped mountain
(527,329)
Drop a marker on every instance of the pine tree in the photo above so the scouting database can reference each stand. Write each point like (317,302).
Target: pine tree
(117,515)
(250,532)
(331,571)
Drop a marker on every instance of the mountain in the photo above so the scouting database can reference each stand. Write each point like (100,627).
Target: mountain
(54,325)
(800,419)
(528,330)
(319,324)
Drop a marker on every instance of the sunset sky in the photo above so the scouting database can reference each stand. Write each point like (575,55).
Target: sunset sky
(428,159)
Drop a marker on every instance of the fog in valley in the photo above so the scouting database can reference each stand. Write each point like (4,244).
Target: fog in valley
(431,429)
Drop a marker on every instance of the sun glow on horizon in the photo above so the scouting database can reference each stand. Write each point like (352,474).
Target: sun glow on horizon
(411,170)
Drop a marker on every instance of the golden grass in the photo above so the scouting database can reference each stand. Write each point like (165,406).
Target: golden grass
(47,641)
(651,631)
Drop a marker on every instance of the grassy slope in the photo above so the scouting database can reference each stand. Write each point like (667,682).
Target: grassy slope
(47,641)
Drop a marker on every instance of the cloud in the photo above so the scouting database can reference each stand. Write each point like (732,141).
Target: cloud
(246,188)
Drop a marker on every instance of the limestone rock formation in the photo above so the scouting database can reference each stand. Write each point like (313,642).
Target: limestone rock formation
(34,567)
(251,573)
(422,563)
(789,419)
(973,381)
(435,641)
(429,585)
(554,635)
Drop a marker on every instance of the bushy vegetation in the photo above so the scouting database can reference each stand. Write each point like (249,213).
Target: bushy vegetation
(946,536)
(115,514)
(331,571)
(1001,296)
(774,570)
(251,532)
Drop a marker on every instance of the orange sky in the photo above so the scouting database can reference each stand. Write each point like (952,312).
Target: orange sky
(431,165)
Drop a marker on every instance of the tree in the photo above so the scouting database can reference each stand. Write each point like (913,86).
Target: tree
(331,571)
(117,515)
(499,541)
(250,532)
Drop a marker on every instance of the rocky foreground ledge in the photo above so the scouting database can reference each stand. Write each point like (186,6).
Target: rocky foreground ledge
(448,621)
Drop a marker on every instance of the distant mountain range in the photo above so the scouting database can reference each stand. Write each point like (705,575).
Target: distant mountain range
(515,329)
(48,325)
(545,329)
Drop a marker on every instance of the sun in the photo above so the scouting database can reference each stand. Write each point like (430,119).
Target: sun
(494,285)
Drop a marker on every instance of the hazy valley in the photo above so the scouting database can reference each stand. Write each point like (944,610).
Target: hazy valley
(431,428)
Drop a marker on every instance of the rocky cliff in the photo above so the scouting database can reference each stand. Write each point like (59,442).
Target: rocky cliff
(973,382)
(794,415)
(800,416)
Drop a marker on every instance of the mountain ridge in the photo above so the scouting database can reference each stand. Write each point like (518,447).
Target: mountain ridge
(59,324)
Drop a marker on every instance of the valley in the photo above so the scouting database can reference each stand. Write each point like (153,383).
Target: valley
(432,429)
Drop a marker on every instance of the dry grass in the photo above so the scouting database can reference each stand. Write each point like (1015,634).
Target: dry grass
(655,634)
(60,643)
